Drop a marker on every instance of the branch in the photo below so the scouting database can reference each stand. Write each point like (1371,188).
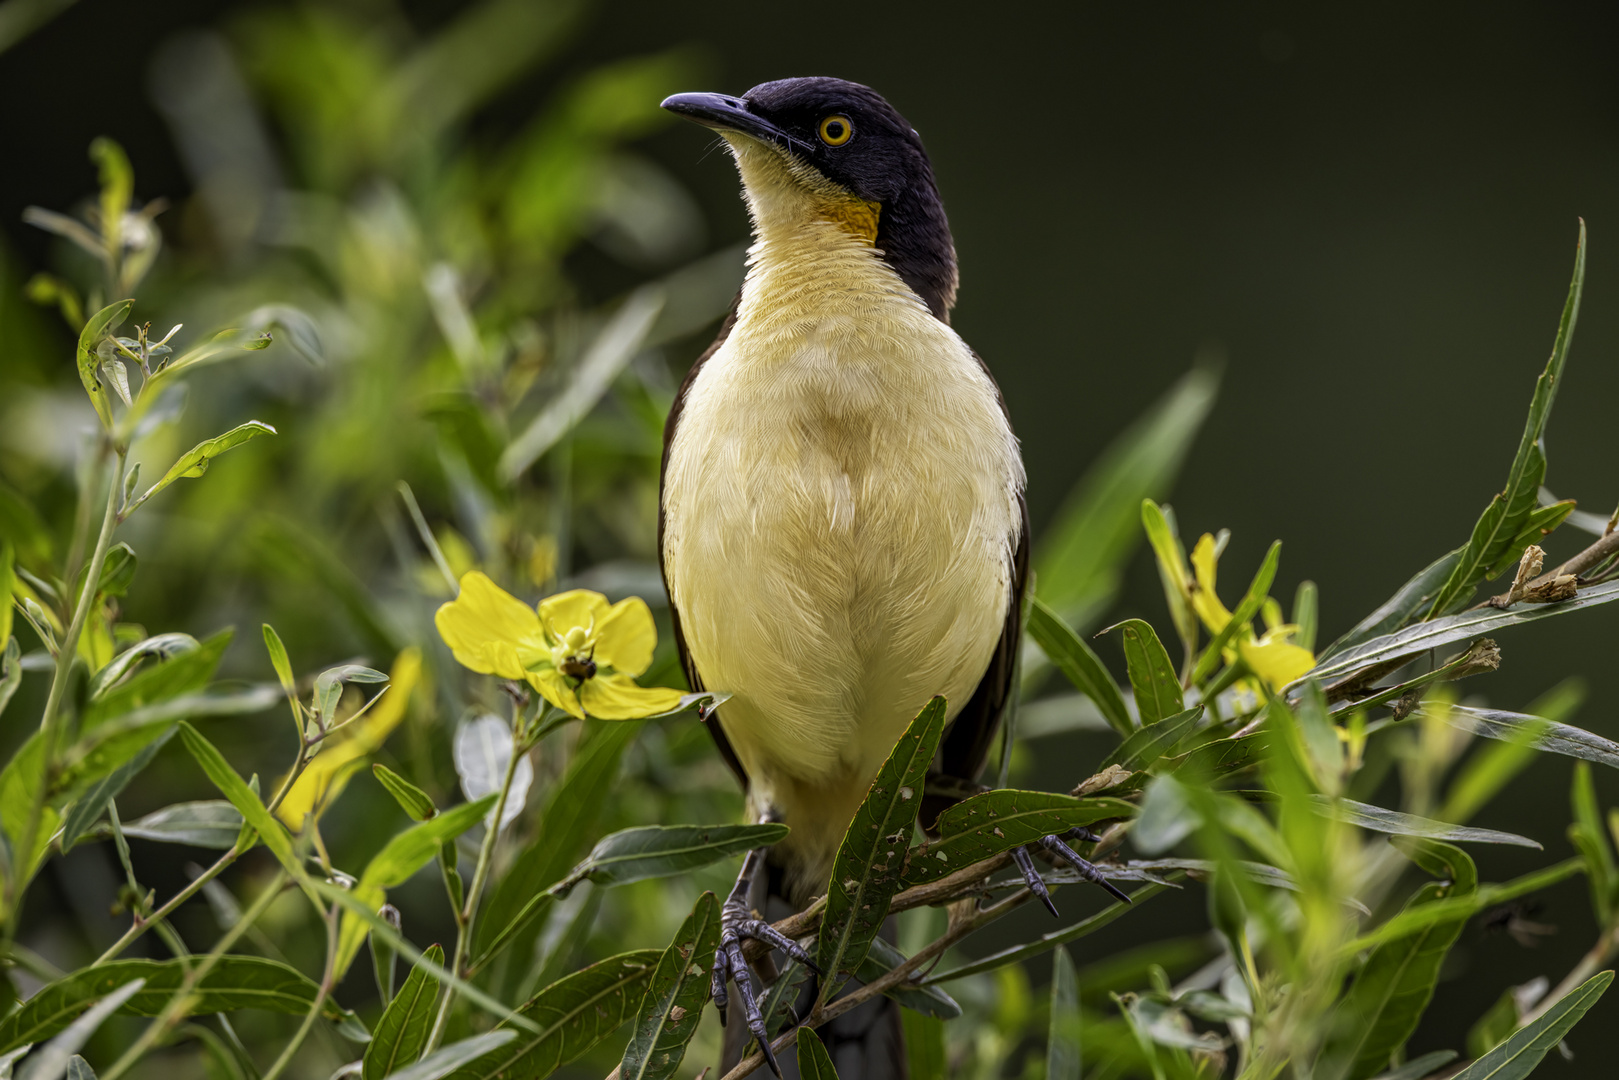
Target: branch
(1592,556)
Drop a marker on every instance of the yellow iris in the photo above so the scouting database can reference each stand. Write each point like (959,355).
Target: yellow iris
(579,652)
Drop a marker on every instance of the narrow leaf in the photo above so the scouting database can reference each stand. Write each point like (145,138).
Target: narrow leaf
(867,870)
(194,462)
(925,1050)
(1380,820)
(1075,659)
(412,799)
(1146,746)
(1419,1067)
(403,1029)
(1518,1056)
(1247,608)
(445,1060)
(211,823)
(1437,633)
(1062,1038)
(1505,517)
(1152,676)
(814,1063)
(928,1000)
(52,1061)
(570,1016)
(1554,738)
(675,997)
(99,327)
(664,850)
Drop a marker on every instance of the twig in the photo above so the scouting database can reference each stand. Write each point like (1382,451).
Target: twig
(898,975)
(1605,547)
(466,917)
(182,996)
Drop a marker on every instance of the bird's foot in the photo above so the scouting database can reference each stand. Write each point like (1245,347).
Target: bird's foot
(737,924)
(1058,846)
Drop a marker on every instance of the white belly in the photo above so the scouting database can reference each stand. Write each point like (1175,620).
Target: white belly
(838,522)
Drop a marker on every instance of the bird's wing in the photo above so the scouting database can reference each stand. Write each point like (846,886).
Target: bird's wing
(966,745)
(675,410)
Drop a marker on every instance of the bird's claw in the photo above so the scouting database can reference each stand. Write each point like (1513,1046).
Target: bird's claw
(1058,846)
(738,924)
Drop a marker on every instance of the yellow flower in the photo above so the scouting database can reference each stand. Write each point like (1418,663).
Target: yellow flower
(341,755)
(581,653)
(1272,657)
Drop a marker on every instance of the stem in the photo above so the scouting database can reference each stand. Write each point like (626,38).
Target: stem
(142,924)
(328,976)
(182,996)
(24,857)
(467,916)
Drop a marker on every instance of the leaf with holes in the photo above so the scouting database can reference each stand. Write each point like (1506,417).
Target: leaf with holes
(867,870)
(675,997)
(572,1015)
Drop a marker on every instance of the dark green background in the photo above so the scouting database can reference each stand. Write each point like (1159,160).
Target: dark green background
(1368,210)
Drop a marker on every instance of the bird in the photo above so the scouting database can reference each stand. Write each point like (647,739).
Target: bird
(843,530)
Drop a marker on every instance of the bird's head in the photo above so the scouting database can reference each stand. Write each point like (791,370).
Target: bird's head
(818,151)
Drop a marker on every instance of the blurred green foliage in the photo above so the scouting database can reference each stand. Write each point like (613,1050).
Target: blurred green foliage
(389,373)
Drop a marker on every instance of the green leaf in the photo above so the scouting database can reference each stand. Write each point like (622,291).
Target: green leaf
(398,860)
(20,783)
(1306,614)
(1079,663)
(1062,1039)
(211,823)
(412,799)
(1518,1056)
(234,982)
(572,1015)
(1591,840)
(1450,629)
(664,850)
(814,1063)
(183,665)
(55,1058)
(445,1060)
(1553,738)
(1080,558)
(925,1049)
(87,810)
(1386,1001)
(867,870)
(1247,608)
(675,997)
(194,462)
(97,329)
(1016,954)
(929,1000)
(1170,557)
(117,570)
(10,671)
(996,821)
(1413,919)
(279,661)
(1380,820)
(1152,676)
(160,648)
(1499,527)
(231,785)
(1398,609)
(1146,746)
(403,1029)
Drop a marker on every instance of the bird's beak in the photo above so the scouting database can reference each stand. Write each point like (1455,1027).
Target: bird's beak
(724,113)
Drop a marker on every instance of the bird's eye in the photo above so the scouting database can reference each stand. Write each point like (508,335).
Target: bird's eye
(836,130)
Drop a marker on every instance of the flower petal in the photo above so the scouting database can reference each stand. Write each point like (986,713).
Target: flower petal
(555,689)
(616,697)
(1204,599)
(1276,662)
(488,629)
(576,607)
(626,636)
